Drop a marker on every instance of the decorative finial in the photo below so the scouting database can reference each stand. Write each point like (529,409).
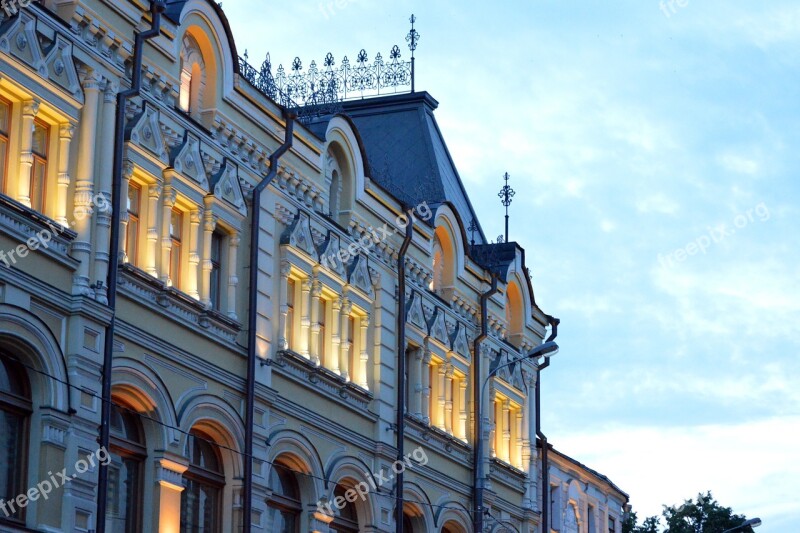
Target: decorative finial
(412,39)
(506,194)
(473,227)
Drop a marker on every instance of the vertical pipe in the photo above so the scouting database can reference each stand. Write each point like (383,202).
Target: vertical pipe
(401,368)
(477,467)
(252,289)
(156,8)
(554,322)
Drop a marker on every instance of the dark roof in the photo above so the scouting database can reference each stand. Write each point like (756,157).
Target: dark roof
(584,467)
(406,153)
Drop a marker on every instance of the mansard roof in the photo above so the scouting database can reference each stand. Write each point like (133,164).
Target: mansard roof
(407,154)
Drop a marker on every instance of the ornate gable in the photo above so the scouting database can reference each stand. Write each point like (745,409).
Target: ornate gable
(146,132)
(415,315)
(359,275)
(20,40)
(459,342)
(437,328)
(329,256)
(299,236)
(61,67)
(187,160)
(226,186)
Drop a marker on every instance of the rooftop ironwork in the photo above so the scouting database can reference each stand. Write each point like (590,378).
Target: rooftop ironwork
(319,91)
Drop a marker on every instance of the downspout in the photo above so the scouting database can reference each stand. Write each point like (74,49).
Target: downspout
(554,322)
(255,222)
(401,368)
(477,469)
(156,9)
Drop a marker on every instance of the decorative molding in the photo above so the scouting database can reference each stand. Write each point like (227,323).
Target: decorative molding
(226,186)
(188,161)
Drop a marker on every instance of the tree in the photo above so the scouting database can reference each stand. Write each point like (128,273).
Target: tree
(705,515)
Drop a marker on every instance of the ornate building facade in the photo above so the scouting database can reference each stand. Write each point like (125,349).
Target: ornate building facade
(358,197)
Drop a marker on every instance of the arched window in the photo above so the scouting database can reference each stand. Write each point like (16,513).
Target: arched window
(346,520)
(515,314)
(193,82)
(284,505)
(15,409)
(438,265)
(125,472)
(452,527)
(443,261)
(334,194)
(203,483)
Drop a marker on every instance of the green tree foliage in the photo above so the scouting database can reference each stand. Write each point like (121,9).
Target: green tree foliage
(703,515)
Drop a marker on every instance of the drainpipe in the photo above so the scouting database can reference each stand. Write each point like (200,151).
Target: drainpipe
(156,8)
(477,470)
(554,322)
(255,221)
(401,368)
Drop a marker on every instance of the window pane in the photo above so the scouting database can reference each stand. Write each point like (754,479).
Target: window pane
(5,116)
(131,240)
(40,131)
(176,224)
(323,310)
(290,291)
(38,182)
(3,161)
(216,271)
(199,507)
(134,195)
(124,494)
(11,456)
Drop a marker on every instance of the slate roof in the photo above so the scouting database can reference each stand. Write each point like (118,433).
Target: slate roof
(407,155)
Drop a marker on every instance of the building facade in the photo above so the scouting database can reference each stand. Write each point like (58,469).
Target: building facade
(357,191)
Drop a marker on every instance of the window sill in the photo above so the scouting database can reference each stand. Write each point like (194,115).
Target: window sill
(146,290)
(433,437)
(322,380)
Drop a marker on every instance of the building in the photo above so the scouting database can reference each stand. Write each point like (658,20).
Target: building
(353,188)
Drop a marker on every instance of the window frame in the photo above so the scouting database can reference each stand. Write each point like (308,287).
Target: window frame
(291,315)
(22,407)
(129,449)
(5,139)
(204,477)
(133,257)
(39,160)
(282,503)
(218,245)
(176,248)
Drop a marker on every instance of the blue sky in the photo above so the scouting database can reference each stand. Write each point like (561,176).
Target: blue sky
(655,155)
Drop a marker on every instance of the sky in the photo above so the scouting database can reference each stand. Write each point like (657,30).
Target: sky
(653,148)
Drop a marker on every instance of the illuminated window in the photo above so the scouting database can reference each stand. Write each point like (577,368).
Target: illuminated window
(15,410)
(284,504)
(346,521)
(351,350)
(334,194)
(125,472)
(41,135)
(291,290)
(203,482)
(5,123)
(215,287)
(132,229)
(612,525)
(175,234)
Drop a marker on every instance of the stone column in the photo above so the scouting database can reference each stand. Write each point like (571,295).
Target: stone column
(29,110)
(190,286)
(426,386)
(233,278)
(305,317)
(84,185)
(518,437)
(65,132)
(209,225)
(127,172)
(344,336)
(334,357)
(103,187)
(167,203)
(283,305)
(316,292)
(363,356)
(506,430)
(151,252)
(168,495)
(448,398)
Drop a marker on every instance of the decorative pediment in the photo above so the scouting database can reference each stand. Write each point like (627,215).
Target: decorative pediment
(146,132)
(330,258)
(359,275)
(415,315)
(459,342)
(437,327)
(61,67)
(188,161)
(225,186)
(20,40)
(298,235)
